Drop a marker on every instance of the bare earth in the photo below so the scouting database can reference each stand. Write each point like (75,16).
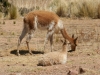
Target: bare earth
(26,64)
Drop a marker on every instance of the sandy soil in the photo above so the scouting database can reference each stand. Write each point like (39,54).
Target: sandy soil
(26,64)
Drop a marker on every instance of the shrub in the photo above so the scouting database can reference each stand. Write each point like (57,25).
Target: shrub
(54,4)
(4,7)
(13,12)
(58,6)
(14,22)
(61,11)
(86,9)
(1,14)
(24,10)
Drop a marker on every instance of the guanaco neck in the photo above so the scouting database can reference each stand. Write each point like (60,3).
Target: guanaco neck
(66,36)
(64,49)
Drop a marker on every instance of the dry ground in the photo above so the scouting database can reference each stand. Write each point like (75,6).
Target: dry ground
(26,64)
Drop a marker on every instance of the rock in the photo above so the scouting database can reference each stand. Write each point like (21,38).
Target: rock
(72,72)
(81,70)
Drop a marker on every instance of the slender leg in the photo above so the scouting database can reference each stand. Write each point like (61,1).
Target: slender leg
(27,42)
(24,32)
(49,36)
(46,40)
(51,42)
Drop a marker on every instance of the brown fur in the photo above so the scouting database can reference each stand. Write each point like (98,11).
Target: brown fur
(44,19)
(65,35)
(54,58)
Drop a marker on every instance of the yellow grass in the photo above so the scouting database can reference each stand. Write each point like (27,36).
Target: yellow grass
(69,8)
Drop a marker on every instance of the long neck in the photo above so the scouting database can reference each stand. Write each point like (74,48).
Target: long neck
(65,35)
(64,49)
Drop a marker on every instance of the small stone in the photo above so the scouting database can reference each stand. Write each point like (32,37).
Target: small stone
(8,65)
(72,72)
(81,70)
(23,64)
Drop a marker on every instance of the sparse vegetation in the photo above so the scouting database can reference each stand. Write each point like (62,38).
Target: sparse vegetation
(87,54)
(13,33)
(86,9)
(13,12)
(3,22)
(61,11)
(14,22)
(4,7)
(1,14)
(63,8)
(24,10)
(1,33)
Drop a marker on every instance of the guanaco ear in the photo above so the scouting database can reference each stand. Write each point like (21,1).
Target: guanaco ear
(76,38)
(64,42)
(73,36)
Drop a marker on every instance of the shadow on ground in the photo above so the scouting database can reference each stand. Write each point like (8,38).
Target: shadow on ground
(71,50)
(23,52)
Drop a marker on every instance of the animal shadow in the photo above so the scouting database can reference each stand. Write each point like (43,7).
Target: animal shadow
(24,52)
(71,50)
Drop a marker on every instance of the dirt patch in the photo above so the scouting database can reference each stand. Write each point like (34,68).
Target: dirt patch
(87,55)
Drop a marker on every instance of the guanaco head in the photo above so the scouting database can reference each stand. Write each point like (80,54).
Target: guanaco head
(64,46)
(73,46)
(64,42)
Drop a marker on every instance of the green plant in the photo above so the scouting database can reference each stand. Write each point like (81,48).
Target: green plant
(13,12)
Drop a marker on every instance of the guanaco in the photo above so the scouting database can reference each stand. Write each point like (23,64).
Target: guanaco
(43,20)
(53,58)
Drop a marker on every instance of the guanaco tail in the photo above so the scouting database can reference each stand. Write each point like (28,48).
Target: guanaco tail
(43,20)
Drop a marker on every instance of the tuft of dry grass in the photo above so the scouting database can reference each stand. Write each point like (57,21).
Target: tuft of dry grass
(61,11)
(1,15)
(85,8)
(13,12)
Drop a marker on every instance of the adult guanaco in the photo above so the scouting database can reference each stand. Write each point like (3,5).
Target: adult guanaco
(43,20)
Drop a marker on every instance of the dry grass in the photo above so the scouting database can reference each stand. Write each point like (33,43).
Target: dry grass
(85,57)
(69,8)
(72,8)
(13,12)
(87,9)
